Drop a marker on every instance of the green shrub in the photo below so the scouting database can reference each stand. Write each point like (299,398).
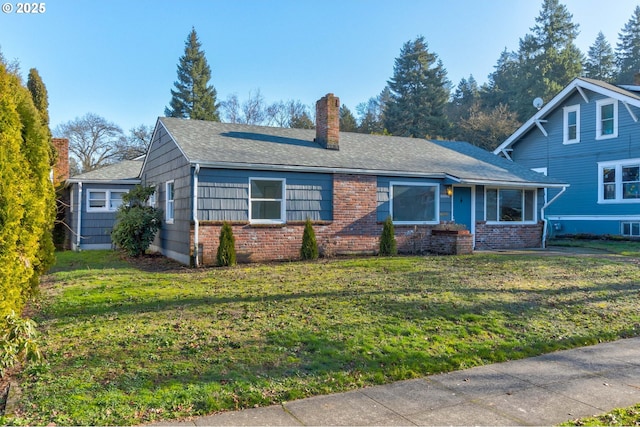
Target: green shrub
(136,223)
(309,249)
(226,255)
(388,245)
(17,341)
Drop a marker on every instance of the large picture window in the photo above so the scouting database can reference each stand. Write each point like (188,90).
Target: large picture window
(619,181)
(414,203)
(267,200)
(510,205)
(104,200)
(606,119)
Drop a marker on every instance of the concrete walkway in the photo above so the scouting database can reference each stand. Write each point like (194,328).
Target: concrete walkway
(543,390)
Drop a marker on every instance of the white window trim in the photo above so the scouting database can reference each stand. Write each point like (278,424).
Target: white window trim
(167,219)
(630,223)
(599,105)
(617,164)
(566,111)
(535,206)
(107,207)
(416,184)
(283,202)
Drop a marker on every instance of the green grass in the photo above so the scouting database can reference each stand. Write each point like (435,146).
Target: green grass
(618,417)
(126,346)
(620,247)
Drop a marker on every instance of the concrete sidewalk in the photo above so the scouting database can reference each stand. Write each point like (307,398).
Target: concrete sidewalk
(543,390)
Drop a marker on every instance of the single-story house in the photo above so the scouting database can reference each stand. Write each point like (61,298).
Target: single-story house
(588,136)
(267,181)
(94,198)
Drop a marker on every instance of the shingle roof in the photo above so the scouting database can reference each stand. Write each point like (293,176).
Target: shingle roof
(126,170)
(244,146)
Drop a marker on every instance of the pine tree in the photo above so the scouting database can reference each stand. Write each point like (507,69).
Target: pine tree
(420,91)
(347,120)
(193,97)
(628,50)
(39,95)
(601,62)
(226,255)
(309,249)
(388,244)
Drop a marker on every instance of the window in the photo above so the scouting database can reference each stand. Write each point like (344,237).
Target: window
(104,200)
(510,205)
(619,181)
(631,229)
(571,124)
(413,203)
(606,119)
(267,200)
(169,203)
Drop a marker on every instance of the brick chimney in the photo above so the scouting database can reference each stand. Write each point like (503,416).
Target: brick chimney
(61,168)
(328,122)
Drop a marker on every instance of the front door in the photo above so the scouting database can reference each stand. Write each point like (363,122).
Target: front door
(461,206)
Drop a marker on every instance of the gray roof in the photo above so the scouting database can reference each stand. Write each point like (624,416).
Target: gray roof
(227,145)
(126,170)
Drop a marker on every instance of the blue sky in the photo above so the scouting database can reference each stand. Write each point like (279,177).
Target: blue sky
(118,58)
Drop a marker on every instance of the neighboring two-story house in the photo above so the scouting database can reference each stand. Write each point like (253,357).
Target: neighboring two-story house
(589,137)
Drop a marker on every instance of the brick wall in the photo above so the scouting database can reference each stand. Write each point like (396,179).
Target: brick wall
(504,236)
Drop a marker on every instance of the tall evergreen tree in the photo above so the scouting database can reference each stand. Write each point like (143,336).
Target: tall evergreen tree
(628,50)
(601,62)
(347,120)
(420,91)
(546,61)
(39,95)
(193,97)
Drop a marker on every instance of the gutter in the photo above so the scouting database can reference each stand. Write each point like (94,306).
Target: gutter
(78,237)
(544,220)
(196,223)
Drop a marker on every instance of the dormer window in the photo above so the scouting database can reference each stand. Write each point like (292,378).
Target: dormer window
(606,119)
(571,124)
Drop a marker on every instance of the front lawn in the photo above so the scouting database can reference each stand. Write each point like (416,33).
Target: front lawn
(127,344)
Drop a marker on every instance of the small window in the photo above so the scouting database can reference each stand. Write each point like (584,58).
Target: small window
(572,124)
(619,181)
(104,200)
(414,203)
(606,119)
(631,229)
(170,203)
(267,200)
(510,205)
(115,199)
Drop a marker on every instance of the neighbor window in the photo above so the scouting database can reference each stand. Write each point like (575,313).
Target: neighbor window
(267,200)
(619,181)
(631,229)
(169,203)
(414,203)
(510,205)
(104,200)
(606,119)
(572,124)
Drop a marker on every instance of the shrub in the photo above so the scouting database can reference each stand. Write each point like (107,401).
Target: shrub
(309,249)
(136,223)
(388,245)
(226,255)
(17,341)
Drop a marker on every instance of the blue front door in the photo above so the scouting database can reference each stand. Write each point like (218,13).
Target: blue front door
(462,206)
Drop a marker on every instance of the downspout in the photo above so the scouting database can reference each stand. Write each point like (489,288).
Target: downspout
(544,219)
(196,224)
(79,216)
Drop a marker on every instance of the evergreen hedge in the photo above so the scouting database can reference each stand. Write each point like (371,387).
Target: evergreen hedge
(388,245)
(309,249)
(226,255)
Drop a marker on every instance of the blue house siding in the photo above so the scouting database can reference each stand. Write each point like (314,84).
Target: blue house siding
(223,194)
(579,209)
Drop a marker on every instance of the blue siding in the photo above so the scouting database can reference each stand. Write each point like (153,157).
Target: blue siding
(577,164)
(223,195)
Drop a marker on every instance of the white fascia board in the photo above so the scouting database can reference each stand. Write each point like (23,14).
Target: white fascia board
(512,184)
(103,181)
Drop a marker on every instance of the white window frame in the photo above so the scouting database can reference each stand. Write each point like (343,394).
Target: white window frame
(599,104)
(630,225)
(523,200)
(169,204)
(566,111)
(617,165)
(416,184)
(282,200)
(107,206)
